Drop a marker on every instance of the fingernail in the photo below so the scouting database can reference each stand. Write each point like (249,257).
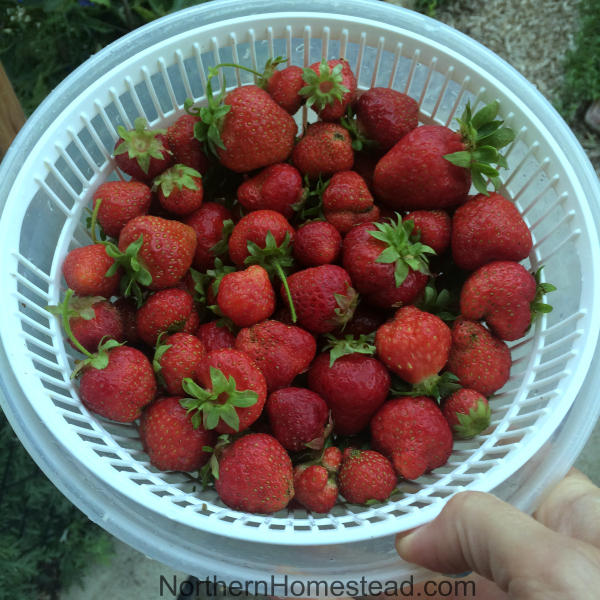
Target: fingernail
(459,575)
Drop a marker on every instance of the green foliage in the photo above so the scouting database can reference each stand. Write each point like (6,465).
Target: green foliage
(42,41)
(428,7)
(45,542)
(582,65)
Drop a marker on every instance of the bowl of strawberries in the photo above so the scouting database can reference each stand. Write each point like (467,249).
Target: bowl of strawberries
(281,280)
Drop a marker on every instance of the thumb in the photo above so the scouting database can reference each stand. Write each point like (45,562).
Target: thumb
(478,532)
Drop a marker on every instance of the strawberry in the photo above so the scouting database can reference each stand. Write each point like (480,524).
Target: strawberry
(121,201)
(154,252)
(315,482)
(468,413)
(215,337)
(169,438)
(246,297)
(478,358)
(366,476)
(283,85)
(176,358)
(505,294)
(365,163)
(91,318)
(298,418)
(85,272)
(434,228)
(186,149)
(281,352)
(317,243)
(415,345)
(385,116)
(179,190)
(386,266)
(347,202)
(167,311)
(255,475)
(213,225)
(284,315)
(248,131)
(433,166)
(323,150)
(142,153)
(353,385)
(128,311)
(330,88)
(489,228)
(232,394)
(365,321)
(413,434)
(323,297)
(278,188)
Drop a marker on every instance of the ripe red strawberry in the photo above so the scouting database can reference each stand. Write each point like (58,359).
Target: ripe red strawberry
(317,243)
(186,149)
(247,297)
(121,201)
(176,358)
(280,351)
(364,164)
(415,345)
(435,227)
(366,475)
(167,311)
(468,413)
(347,202)
(502,293)
(413,434)
(488,228)
(213,225)
(179,190)
(248,131)
(322,296)
(315,482)
(85,271)
(255,475)
(169,438)
(478,358)
(142,153)
(365,321)
(354,387)
(298,418)
(215,337)
(331,87)
(385,116)
(128,311)
(163,253)
(232,391)
(278,188)
(324,149)
(433,166)
(283,85)
(388,269)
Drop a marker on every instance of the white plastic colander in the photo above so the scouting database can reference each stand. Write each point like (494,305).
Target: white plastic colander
(64,153)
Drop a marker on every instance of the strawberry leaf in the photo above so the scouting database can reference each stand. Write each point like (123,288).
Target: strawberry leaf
(141,144)
(444,304)
(474,423)
(436,386)
(314,85)
(349,345)
(217,275)
(347,305)
(222,246)
(460,159)
(178,175)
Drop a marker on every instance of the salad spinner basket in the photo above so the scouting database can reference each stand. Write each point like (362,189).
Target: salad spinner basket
(540,419)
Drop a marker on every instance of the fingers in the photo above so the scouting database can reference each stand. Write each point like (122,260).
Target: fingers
(478,532)
(573,509)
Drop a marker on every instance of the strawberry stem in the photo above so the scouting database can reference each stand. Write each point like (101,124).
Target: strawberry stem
(238,67)
(67,326)
(287,290)
(93,223)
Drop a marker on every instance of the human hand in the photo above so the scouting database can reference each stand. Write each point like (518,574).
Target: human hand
(553,556)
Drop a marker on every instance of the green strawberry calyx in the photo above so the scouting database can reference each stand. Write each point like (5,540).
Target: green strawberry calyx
(401,251)
(359,139)
(537,306)
(208,129)
(347,304)
(76,307)
(141,143)
(350,344)
(436,386)
(319,442)
(270,68)
(483,135)
(222,246)
(325,87)
(475,422)
(135,274)
(275,260)
(310,207)
(220,402)
(210,471)
(178,175)
(99,360)
(158,354)
(443,304)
